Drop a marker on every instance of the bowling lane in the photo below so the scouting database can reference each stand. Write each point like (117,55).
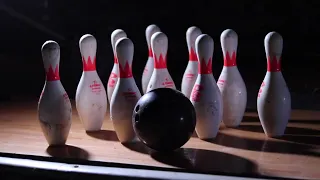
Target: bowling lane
(239,151)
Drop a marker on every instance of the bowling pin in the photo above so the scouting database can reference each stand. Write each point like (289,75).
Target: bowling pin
(191,72)
(160,76)
(147,73)
(126,93)
(274,99)
(230,82)
(205,96)
(54,107)
(91,98)
(113,78)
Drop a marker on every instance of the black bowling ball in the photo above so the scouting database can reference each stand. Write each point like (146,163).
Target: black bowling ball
(164,119)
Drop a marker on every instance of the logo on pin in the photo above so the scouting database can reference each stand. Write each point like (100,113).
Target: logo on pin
(112,81)
(95,87)
(196,93)
(145,71)
(260,90)
(190,75)
(212,108)
(129,95)
(221,82)
(167,83)
(65,96)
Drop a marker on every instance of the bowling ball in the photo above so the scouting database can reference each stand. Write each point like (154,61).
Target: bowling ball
(164,119)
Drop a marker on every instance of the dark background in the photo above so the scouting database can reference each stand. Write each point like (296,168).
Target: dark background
(26,25)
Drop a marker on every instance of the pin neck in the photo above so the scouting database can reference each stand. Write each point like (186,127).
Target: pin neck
(273,64)
(161,62)
(205,68)
(126,71)
(192,55)
(230,60)
(150,52)
(53,75)
(115,59)
(89,65)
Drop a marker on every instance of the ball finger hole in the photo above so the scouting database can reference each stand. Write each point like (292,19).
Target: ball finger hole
(137,118)
(137,108)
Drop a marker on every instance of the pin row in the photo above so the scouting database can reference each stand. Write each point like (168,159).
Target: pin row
(214,101)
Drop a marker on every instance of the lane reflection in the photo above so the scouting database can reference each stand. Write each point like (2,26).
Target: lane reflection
(67,151)
(292,145)
(207,161)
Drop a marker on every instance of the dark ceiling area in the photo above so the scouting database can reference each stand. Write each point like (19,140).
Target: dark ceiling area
(26,25)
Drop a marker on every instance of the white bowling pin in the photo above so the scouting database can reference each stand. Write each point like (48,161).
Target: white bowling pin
(126,94)
(148,69)
(91,98)
(113,78)
(191,72)
(160,76)
(274,99)
(54,107)
(230,82)
(205,95)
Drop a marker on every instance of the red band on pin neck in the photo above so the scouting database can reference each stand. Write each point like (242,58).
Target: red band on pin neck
(53,75)
(150,52)
(273,64)
(125,72)
(161,62)
(204,68)
(89,65)
(230,60)
(192,55)
(116,60)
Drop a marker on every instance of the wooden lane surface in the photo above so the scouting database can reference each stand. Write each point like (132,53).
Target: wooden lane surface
(242,150)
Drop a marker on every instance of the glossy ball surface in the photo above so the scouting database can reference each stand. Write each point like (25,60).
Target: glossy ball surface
(164,119)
